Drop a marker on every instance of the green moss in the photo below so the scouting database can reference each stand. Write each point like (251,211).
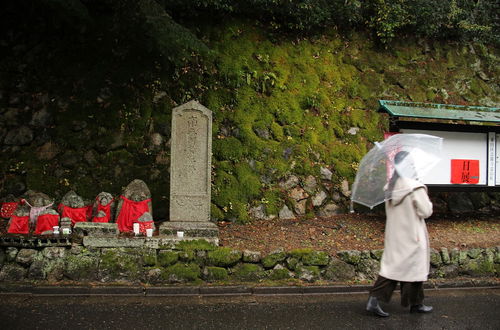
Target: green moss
(195,245)
(310,257)
(120,263)
(224,257)
(229,148)
(273,259)
(248,272)
(149,257)
(181,272)
(215,274)
(279,274)
(81,267)
(167,258)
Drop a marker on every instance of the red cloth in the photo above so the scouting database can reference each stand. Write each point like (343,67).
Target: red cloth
(19,225)
(106,209)
(145,225)
(46,222)
(130,212)
(8,209)
(80,214)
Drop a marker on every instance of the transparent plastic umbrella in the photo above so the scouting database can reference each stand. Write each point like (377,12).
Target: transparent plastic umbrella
(377,166)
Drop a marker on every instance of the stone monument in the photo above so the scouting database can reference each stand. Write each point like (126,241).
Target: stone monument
(190,172)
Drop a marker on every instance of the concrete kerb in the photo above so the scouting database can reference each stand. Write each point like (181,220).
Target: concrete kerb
(238,290)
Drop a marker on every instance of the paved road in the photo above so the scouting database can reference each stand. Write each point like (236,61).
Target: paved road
(454,309)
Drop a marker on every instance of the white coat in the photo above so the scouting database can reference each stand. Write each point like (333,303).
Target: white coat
(406,255)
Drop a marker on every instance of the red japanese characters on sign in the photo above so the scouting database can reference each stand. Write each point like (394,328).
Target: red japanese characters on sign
(465,171)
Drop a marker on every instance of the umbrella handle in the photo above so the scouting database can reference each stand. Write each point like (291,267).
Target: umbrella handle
(351,207)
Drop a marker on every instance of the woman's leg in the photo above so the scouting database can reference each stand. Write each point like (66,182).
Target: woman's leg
(383,288)
(412,293)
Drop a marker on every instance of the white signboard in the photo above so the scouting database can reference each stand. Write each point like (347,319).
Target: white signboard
(464,159)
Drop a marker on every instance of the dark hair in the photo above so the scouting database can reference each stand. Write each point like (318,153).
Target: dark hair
(400,156)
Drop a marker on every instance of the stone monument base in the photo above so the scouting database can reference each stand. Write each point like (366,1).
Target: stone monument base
(190,229)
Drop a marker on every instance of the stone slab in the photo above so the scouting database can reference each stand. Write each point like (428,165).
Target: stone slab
(190,229)
(112,242)
(95,229)
(159,242)
(190,163)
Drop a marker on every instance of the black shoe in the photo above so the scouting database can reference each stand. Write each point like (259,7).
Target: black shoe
(374,307)
(420,309)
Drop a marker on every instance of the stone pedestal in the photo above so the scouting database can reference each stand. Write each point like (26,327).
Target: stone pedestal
(190,172)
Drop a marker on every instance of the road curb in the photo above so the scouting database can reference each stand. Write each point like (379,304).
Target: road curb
(240,290)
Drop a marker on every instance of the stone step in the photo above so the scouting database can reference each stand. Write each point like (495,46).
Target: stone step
(189,229)
(155,242)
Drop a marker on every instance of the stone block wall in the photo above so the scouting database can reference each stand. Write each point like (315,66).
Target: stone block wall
(197,261)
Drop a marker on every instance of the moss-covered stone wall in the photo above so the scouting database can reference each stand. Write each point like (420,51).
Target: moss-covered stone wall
(198,262)
(292,119)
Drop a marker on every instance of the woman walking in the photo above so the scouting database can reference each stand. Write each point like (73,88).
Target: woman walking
(406,246)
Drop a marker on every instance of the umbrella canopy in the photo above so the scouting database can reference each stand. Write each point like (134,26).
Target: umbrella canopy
(417,155)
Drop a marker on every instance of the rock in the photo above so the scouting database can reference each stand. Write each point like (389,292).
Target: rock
(73,200)
(474,253)
(12,273)
(478,267)
(445,256)
(41,118)
(80,267)
(251,256)
(117,264)
(436,260)
(262,133)
(350,256)
(53,253)
(274,258)
(153,275)
(19,136)
(329,210)
(293,263)
(310,184)
(11,254)
(353,130)
(298,194)
(315,258)
(95,229)
(338,270)
(212,274)
(54,270)
(285,213)
(258,212)
(300,207)
(308,273)
(26,256)
(377,254)
(48,151)
(167,258)
(290,183)
(345,188)
(368,269)
(319,198)
(248,272)
(181,273)
(224,257)
(326,174)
